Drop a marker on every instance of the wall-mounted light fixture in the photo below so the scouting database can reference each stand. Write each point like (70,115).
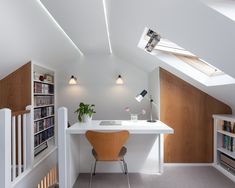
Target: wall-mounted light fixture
(119,80)
(73,80)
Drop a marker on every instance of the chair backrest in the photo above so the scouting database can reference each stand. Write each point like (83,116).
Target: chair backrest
(107,144)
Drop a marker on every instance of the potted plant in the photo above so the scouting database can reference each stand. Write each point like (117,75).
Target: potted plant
(85,112)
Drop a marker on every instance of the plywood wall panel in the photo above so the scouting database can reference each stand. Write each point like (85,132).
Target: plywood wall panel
(188,111)
(15,89)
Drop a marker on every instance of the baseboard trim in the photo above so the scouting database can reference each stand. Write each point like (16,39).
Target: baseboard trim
(188,164)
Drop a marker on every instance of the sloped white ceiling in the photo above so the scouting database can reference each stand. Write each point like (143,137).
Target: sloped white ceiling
(27,32)
(225,7)
(83,21)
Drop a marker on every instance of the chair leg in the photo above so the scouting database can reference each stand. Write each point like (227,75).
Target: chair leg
(126,172)
(90,182)
(125,166)
(94,168)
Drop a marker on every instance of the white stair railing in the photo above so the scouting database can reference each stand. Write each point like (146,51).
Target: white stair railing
(62,150)
(5,149)
(16,145)
(21,142)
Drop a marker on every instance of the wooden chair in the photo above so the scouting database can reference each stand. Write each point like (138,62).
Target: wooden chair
(108,146)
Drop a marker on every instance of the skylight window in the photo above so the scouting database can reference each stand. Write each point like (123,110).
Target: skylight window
(183,60)
(201,65)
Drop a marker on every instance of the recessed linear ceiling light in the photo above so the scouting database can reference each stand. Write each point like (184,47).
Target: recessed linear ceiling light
(107,26)
(53,19)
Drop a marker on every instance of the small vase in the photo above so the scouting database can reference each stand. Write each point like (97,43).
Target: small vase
(87,119)
(134,117)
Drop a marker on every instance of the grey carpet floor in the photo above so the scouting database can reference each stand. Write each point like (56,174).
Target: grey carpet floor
(173,177)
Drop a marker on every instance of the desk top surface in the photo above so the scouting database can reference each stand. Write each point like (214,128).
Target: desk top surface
(138,127)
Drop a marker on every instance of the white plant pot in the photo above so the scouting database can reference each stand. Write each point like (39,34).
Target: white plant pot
(87,119)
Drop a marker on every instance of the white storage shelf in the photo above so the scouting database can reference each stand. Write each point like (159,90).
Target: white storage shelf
(227,152)
(219,135)
(226,133)
(39,70)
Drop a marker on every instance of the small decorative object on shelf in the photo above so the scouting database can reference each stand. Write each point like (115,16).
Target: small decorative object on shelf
(41,78)
(48,78)
(85,112)
(134,116)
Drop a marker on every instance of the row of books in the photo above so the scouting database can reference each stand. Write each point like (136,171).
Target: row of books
(43,112)
(43,88)
(43,100)
(43,124)
(228,143)
(43,136)
(227,126)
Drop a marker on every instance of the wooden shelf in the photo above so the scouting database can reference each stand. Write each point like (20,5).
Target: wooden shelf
(226,133)
(224,117)
(44,118)
(44,142)
(43,130)
(44,105)
(43,94)
(43,82)
(227,152)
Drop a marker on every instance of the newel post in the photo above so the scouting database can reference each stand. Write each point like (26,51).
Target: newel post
(62,141)
(5,148)
(30,137)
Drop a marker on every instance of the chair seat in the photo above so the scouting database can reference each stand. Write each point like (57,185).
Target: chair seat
(121,154)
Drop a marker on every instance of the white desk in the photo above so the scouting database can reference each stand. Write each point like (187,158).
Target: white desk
(145,148)
(139,127)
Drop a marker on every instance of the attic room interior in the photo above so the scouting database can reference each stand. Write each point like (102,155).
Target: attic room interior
(127,93)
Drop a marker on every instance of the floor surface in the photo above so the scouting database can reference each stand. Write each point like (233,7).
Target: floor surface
(173,177)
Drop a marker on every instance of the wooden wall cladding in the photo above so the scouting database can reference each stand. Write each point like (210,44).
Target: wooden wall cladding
(16,89)
(188,111)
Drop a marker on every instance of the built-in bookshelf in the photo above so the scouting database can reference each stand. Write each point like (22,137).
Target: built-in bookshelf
(224,144)
(44,108)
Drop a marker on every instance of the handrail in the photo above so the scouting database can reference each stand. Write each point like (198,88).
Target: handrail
(20,112)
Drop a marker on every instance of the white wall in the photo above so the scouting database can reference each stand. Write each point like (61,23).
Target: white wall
(96,84)
(154,90)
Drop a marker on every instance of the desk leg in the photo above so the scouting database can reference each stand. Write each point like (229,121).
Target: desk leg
(161,153)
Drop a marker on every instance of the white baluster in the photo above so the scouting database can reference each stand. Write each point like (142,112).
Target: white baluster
(13,149)
(30,138)
(19,144)
(24,141)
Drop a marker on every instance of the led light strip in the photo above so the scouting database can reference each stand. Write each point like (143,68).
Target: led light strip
(107,26)
(53,19)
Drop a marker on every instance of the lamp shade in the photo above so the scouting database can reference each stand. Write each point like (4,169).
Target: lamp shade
(119,80)
(140,97)
(73,80)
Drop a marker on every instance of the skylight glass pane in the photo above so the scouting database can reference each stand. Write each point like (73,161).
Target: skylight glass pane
(201,65)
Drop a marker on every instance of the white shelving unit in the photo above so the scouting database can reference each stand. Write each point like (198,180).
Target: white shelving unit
(43,100)
(221,138)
